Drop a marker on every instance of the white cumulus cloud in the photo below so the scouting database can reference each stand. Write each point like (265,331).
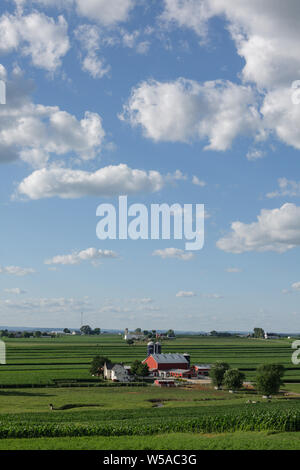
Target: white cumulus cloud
(103,11)
(34,132)
(16,270)
(89,37)
(90,254)
(215,112)
(287,187)
(174,253)
(185,294)
(108,181)
(15,291)
(266,35)
(275,230)
(36,35)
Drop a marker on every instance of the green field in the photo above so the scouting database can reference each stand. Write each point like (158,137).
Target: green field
(88,416)
(40,361)
(176,441)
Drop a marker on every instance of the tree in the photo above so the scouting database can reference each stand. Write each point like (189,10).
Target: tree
(171,333)
(97,331)
(269,378)
(38,334)
(86,330)
(277,368)
(258,333)
(233,379)
(67,331)
(143,370)
(140,369)
(98,364)
(134,367)
(129,341)
(217,372)
(138,330)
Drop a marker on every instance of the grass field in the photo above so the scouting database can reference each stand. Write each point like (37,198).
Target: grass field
(115,413)
(176,441)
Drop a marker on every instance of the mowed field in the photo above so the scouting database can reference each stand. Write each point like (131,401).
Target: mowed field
(43,361)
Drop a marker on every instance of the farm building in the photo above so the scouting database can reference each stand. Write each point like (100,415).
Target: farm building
(180,373)
(107,370)
(271,336)
(201,369)
(166,362)
(128,335)
(120,373)
(164,383)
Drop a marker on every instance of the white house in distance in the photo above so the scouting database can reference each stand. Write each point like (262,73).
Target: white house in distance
(107,371)
(271,336)
(117,373)
(128,335)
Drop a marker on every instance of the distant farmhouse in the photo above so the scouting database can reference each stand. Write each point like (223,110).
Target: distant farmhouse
(128,335)
(271,336)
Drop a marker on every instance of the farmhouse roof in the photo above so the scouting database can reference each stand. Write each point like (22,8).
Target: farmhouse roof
(203,366)
(170,358)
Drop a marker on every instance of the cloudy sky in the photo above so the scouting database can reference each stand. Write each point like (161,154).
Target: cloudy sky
(167,101)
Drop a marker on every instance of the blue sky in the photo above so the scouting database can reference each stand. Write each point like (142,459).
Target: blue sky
(97,90)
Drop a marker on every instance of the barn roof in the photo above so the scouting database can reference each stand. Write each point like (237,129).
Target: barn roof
(169,358)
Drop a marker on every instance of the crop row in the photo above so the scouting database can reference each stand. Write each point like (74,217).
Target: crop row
(251,421)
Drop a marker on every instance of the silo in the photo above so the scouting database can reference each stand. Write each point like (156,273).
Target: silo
(150,348)
(188,358)
(157,348)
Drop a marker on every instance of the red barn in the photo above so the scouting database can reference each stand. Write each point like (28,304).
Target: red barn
(167,362)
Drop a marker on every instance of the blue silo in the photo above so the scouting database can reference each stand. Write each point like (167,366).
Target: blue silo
(150,348)
(157,348)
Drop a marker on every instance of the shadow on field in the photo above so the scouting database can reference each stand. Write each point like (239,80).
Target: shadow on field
(71,406)
(24,394)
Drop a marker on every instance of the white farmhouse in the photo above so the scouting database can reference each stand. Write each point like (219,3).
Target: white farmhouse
(120,374)
(128,335)
(107,371)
